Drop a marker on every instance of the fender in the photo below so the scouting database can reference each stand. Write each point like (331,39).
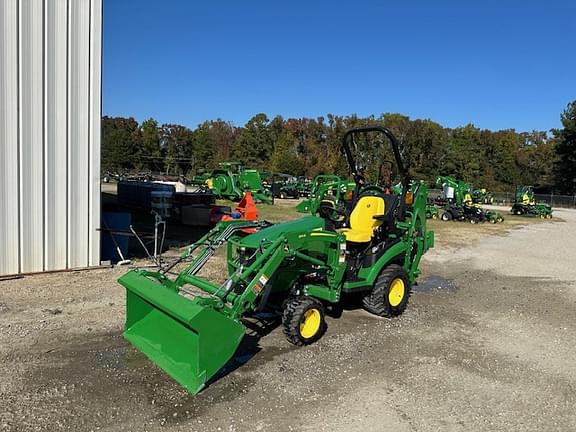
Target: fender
(368,275)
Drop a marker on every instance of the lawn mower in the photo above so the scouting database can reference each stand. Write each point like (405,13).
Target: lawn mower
(304,187)
(525,205)
(482,196)
(458,204)
(191,326)
(432,211)
(285,186)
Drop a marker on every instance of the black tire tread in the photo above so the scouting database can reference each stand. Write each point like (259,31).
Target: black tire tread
(292,315)
(377,301)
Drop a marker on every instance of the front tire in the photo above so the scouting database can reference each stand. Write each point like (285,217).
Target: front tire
(303,320)
(390,294)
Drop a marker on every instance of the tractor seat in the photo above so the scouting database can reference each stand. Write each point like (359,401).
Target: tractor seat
(362,222)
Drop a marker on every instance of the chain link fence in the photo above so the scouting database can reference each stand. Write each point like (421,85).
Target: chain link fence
(506,198)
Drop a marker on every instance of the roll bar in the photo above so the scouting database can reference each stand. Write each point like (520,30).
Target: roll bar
(367,129)
(349,135)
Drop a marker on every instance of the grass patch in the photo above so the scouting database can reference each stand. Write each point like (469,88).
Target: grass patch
(280,211)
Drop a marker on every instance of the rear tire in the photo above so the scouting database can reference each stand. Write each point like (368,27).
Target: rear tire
(446,216)
(390,294)
(282,195)
(303,320)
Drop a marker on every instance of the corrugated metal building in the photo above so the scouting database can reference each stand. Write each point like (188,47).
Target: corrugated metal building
(50,110)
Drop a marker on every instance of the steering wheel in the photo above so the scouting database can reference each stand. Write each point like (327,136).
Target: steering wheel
(333,214)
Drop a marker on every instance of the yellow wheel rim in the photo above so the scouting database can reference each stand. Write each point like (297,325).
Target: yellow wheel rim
(311,323)
(396,292)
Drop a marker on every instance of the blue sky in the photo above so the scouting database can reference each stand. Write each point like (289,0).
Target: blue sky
(497,64)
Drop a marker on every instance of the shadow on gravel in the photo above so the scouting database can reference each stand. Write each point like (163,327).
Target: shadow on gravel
(434,283)
(256,328)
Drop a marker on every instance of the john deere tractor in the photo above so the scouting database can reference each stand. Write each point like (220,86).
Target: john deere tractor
(285,186)
(432,210)
(482,196)
(458,204)
(525,205)
(191,326)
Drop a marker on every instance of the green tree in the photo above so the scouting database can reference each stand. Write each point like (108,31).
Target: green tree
(254,145)
(285,157)
(151,156)
(536,159)
(178,143)
(565,167)
(121,143)
(221,136)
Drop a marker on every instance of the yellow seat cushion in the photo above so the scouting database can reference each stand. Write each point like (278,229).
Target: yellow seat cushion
(362,222)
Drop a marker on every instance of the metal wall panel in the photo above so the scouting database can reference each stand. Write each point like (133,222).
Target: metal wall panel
(31,136)
(78,115)
(95,128)
(50,57)
(9,238)
(56,139)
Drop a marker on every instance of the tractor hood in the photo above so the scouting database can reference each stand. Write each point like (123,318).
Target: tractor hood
(305,224)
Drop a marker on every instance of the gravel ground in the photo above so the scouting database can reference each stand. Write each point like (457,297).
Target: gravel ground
(487,343)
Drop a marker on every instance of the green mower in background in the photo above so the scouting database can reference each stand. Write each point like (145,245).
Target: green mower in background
(285,186)
(432,211)
(482,196)
(525,205)
(458,204)
(191,326)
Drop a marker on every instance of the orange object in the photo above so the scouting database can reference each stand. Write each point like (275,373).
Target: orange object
(245,210)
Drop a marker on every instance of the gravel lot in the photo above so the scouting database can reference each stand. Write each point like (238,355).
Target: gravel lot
(488,343)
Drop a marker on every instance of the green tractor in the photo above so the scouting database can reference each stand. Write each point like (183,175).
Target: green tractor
(285,186)
(482,196)
(231,179)
(525,205)
(458,204)
(304,187)
(327,189)
(432,211)
(191,326)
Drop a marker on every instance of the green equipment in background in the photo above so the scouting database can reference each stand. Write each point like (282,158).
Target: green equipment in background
(285,186)
(231,179)
(304,186)
(327,189)
(191,325)
(525,205)
(432,211)
(482,196)
(458,204)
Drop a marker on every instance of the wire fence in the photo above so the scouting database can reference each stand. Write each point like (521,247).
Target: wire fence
(506,198)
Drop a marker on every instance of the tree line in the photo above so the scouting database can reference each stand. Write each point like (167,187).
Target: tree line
(497,160)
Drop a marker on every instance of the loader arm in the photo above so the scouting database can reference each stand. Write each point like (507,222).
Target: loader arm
(191,326)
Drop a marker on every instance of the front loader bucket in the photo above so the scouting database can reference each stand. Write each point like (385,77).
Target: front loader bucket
(189,341)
